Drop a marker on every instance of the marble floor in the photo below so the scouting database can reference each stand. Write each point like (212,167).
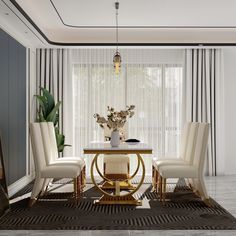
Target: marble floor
(220,188)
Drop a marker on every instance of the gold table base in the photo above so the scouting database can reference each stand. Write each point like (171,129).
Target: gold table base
(124,185)
(122,200)
(117,198)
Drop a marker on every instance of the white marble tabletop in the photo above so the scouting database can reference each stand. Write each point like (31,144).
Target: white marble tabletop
(105,147)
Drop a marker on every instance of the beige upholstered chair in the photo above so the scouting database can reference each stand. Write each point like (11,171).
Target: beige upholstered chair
(47,165)
(49,131)
(116,166)
(186,152)
(194,170)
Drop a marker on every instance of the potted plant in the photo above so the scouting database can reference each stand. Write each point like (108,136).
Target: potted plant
(115,121)
(49,112)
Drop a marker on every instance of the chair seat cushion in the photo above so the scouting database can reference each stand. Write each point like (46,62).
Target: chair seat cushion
(116,168)
(178,171)
(116,158)
(157,163)
(61,171)
(70,160)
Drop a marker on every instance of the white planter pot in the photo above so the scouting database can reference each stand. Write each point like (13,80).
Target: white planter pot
(115,138)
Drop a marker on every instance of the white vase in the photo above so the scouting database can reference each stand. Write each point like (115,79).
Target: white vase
(115,138)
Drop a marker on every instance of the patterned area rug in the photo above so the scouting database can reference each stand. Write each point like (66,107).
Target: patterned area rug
(58,211)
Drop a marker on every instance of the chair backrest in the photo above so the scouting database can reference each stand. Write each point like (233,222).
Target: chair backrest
(184,139)
(37,146)
(201,146)
(191,142)
(53,140)
(46,135)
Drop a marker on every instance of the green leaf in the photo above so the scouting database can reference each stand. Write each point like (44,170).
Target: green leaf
(52,117)
(41,117)
(50,100)
(42,103)
(60,138)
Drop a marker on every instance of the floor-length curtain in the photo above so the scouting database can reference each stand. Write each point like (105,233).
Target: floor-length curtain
(53,72)
(202,79)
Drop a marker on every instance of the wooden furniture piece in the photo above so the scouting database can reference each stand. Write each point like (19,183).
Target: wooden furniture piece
(4,201)
(47,166)
(124,148)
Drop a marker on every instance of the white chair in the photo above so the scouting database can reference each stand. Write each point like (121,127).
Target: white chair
(116,166)
(187,145)
(192,171)
(45,168)
(52,156)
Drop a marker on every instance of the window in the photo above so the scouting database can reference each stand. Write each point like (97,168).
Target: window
(156,91)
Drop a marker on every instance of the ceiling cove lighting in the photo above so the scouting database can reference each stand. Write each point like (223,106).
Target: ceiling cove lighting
(117,56)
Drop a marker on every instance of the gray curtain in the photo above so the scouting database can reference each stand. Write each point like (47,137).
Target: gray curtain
(53,72)
(203,73)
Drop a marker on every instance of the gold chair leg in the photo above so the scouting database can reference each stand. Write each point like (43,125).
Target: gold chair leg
(75,187)
(157,176)
(84,177)
(163,190)
(160,187)
(32,201)
(79,185)
(208,202)
(154,178)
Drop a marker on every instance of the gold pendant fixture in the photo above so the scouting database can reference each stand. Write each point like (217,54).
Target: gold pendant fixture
(117,56)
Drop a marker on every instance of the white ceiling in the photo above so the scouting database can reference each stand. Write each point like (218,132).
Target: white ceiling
(140,21)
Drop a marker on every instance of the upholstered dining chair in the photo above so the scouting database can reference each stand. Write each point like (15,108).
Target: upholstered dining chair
(116,166)
(187,145)
(53,157)
(47,166)
(192,171)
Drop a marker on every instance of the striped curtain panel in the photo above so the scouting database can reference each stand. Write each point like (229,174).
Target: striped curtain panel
(53,72)
(203,75)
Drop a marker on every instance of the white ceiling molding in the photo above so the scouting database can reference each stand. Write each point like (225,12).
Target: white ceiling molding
(141,22)
(12,22)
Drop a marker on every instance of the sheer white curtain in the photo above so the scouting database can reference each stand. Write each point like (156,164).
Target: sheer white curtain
(150,79)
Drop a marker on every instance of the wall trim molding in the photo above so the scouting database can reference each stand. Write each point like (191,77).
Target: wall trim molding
(19,184)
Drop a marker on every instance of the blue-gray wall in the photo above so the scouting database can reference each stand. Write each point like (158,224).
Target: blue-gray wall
(13,106)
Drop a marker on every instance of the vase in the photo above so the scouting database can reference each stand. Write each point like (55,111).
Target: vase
(115,138)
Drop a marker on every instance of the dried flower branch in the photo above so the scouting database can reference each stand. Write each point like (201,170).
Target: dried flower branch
(115,120)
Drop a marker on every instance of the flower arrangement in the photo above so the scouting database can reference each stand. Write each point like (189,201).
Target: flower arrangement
(115,120)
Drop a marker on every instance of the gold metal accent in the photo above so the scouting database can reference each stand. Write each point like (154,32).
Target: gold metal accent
(125,179)
(160,186)
(128,200)
(117,188)
(98,151)
(208,202)
(124,185)
(75,187)
(32,201)
(117,199)
(163,190)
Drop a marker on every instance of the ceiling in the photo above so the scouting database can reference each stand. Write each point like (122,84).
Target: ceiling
(75,22)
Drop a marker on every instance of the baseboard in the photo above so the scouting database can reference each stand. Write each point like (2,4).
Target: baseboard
(19,184)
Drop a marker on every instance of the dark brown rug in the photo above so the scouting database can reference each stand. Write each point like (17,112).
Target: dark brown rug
(57,211)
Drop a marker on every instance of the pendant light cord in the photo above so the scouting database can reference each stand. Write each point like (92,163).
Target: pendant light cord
(117,32)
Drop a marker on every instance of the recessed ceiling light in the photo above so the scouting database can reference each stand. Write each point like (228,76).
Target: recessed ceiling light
(6,13)
(26,32)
